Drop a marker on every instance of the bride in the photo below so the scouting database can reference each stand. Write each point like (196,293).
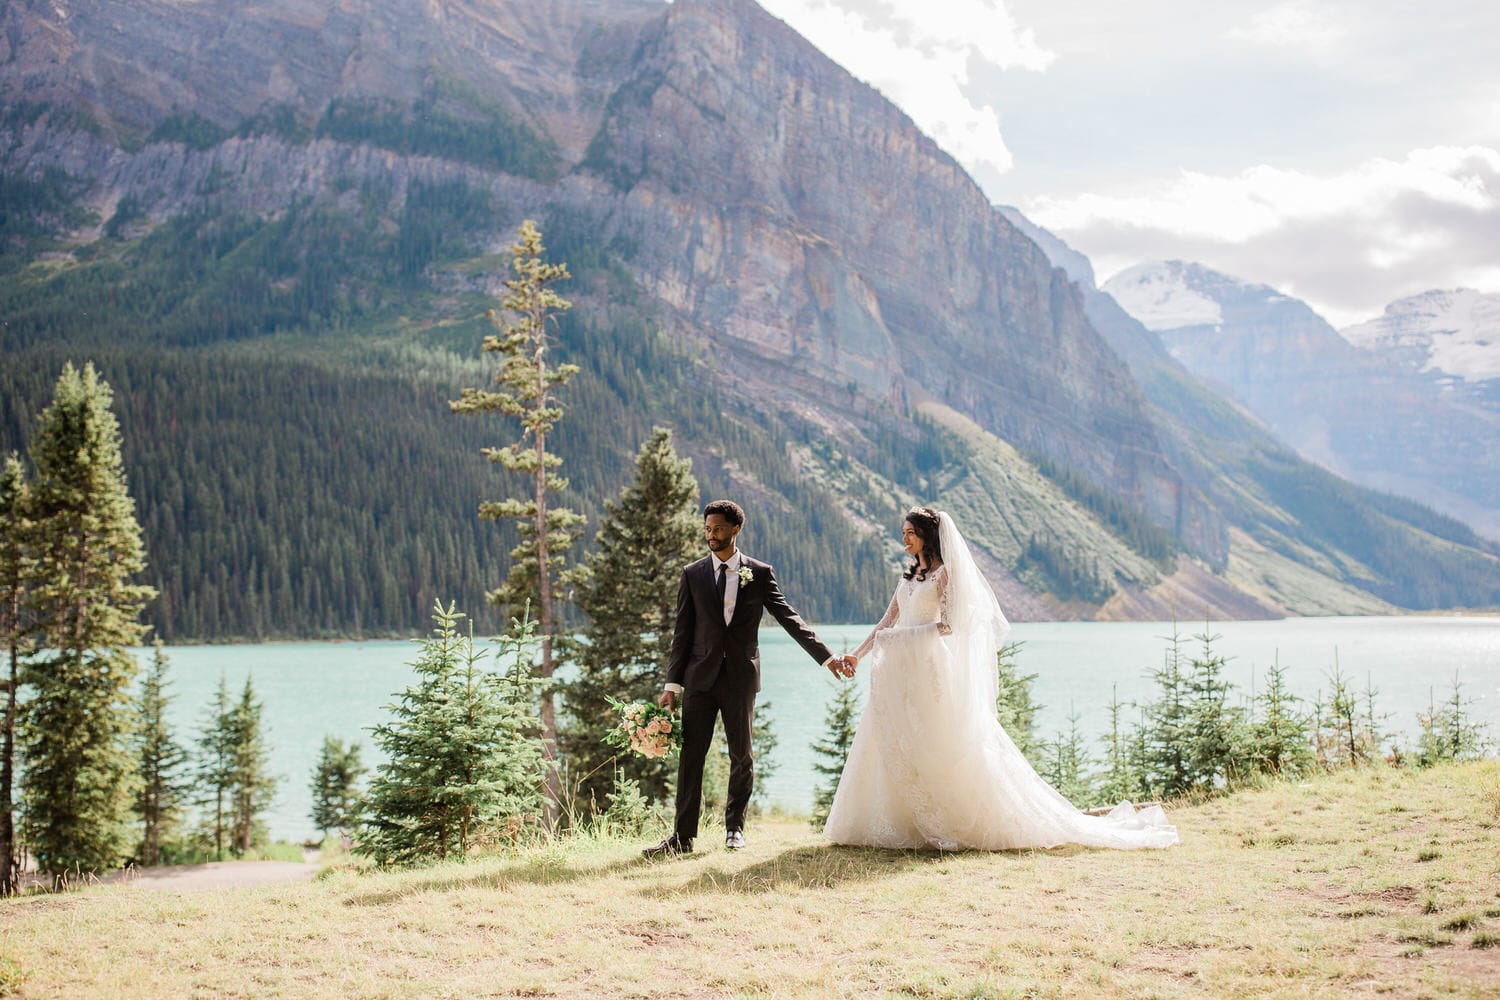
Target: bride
(930,766)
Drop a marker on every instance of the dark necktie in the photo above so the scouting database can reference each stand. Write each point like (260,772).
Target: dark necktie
(720,585)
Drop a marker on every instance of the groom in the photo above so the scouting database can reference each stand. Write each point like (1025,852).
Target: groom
(714,666)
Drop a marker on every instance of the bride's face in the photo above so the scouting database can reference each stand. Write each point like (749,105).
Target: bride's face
(911,539)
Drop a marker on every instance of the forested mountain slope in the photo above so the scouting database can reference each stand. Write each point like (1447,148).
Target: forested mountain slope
(277,228)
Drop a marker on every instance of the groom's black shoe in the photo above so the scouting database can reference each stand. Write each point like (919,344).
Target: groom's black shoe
(669,848)
(734,840)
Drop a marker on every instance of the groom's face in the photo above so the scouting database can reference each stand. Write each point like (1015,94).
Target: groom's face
(720,533)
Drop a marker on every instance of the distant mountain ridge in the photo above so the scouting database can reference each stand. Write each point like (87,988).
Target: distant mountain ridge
(770,258)
(1404,403)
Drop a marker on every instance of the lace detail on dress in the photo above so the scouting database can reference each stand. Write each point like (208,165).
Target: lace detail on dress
(888,619)
(915,604)
(943,626)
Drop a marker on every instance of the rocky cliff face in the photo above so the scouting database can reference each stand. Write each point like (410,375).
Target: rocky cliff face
(804,222)
(129,65)
(782,210)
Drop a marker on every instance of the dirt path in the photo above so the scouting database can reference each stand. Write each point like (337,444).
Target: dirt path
(214,875)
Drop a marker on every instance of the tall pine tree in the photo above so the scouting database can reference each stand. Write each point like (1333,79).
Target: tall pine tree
(162,791)
(462,757)
(215,765)
(630,595)
(17,572)
(252,786)
(79,773)
(526,384)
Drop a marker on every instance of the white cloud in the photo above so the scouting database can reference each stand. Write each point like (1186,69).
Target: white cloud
(1298,24)
(1348,242)
(1260,199)
(920,56)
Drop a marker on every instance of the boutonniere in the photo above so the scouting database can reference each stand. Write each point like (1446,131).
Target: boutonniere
(746,575)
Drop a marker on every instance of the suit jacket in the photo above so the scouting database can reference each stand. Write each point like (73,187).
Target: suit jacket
(702,645)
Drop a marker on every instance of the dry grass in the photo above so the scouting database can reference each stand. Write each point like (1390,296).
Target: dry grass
(1311,890)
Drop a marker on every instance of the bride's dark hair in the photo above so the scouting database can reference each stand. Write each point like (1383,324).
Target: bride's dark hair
(924,520)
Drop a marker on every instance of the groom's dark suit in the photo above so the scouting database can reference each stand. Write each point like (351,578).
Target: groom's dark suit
(718,666)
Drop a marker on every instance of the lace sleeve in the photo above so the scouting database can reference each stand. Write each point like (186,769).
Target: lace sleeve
(886,621)
(941,578)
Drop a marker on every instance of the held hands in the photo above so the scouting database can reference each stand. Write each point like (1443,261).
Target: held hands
(842,666)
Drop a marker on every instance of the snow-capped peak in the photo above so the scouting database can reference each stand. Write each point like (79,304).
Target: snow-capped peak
(1160,296)
(1453,332)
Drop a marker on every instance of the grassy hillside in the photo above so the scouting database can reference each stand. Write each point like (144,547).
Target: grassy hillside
(1377,882)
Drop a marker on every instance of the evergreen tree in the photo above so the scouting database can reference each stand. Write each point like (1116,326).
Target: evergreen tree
(630,596)
(1013,703)
(1067,765)
(463,757)
(1450,732)
(1121,779)
(215,764)
(839,723)
(1346,737)
(1167,734)
(335,793)
(527,380)
(79,773)
(252,787)
(1280,736)
(1218,735)
(162,790)
(17,572)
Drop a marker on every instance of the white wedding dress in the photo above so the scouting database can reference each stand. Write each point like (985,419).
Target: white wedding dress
(930,766)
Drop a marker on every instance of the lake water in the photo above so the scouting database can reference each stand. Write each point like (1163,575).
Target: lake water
(317,689)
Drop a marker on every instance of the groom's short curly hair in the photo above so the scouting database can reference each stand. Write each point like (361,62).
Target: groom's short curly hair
(728,510)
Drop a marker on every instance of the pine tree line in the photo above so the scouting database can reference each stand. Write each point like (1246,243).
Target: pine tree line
(276,504)
(1196,736)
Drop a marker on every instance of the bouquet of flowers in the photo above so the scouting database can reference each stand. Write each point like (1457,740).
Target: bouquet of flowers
(645,728)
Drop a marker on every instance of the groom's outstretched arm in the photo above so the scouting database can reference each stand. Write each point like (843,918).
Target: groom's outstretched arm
(776,603)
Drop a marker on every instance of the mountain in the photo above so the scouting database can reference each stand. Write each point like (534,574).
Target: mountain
(1375,407)
(1454,335)
(1291,519)
(277,228)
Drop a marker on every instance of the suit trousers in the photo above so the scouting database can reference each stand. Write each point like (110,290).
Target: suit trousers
(700,709)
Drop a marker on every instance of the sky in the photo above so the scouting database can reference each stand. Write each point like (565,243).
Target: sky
(1347,154)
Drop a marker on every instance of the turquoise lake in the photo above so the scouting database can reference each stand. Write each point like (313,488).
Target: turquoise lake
(316,689)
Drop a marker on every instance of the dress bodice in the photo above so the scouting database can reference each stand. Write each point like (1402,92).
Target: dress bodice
(918,601)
